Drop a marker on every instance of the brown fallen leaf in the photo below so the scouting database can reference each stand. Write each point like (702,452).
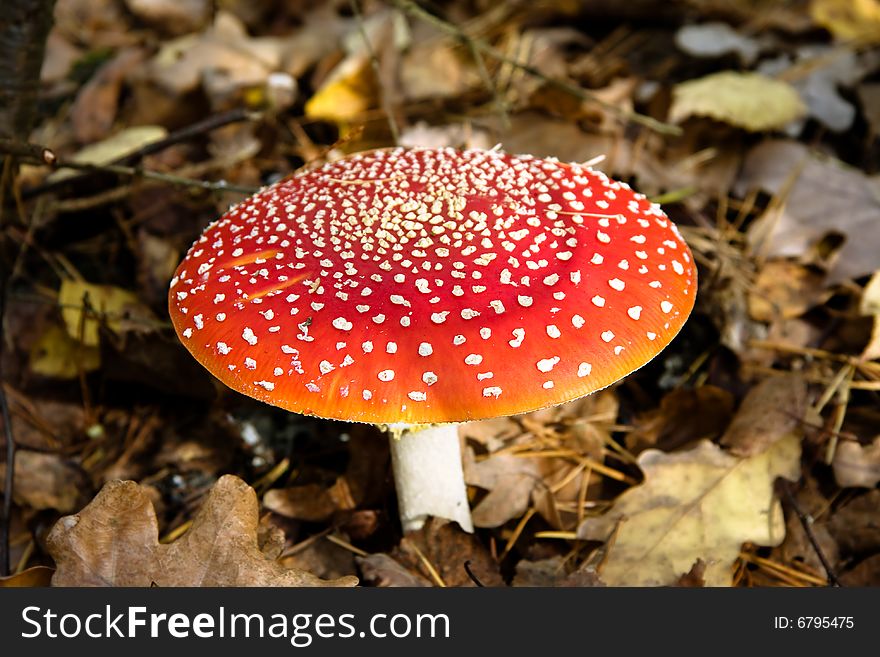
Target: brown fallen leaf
(446,548)
(97,103)
(698,504)
(821,196)
(856,525)
(684,416)
(509,480)
(857,466)
(772,410)
(552,572)
(114,542)
(382,570)
(785,289)
(311,502)
(30,578)
(47,481)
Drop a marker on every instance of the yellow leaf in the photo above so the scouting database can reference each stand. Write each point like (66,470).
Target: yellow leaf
(59,356)
(346,93)
(111,304)
(699,504)
(849,20)
(745,100)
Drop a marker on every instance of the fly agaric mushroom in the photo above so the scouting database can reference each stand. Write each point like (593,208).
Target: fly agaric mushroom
(417,288)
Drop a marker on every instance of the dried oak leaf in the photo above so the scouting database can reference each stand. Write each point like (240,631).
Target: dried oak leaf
(698,504)
(114,541)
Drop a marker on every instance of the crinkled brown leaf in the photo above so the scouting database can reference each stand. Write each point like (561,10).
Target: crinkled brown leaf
(114,542)
(773,409)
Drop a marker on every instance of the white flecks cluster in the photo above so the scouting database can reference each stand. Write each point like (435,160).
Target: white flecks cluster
(412,254)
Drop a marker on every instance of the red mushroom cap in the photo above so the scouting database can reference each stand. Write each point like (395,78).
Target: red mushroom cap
(428,286)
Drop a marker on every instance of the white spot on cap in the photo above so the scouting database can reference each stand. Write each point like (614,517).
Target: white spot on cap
(584,369)
(223,348)
(547,385)
(249,336)
(268,385)
(386,375)
(342,324)
(367,346)
(439,318)
(607,336)
(651,335)
(553,331)
(367,395)
(429,378)
(417,395)
(325,366)
(391,348)
(425,349)
(485,333)
(459,340)
(577,321)
(665,306)
(277,371)
(547,364)
(597,259)
(492,391)
(598,301)
(250,363)
(518,334)
(199,321)
(473,359)
(187,333)
(635,312)
(524,301)
(617,284)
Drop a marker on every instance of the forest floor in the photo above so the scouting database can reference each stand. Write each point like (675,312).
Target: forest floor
(753,123)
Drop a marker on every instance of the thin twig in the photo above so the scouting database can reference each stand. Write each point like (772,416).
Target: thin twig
(30,151)
(807,523)
(416,11)
(470,573)
(374,61)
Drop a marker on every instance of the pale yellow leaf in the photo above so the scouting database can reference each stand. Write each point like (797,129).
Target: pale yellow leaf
(699,504)
(56,354)
(745,100)
(125,142)
(870,305)
(109,303)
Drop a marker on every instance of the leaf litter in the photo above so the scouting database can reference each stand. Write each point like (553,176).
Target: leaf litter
(671,477)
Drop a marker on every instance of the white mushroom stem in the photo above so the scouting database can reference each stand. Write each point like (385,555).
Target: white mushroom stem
(428,475)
